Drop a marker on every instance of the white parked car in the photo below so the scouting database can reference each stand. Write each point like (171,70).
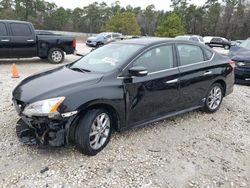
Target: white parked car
(196,38)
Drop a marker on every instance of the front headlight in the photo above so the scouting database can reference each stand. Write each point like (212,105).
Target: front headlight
(44,108)
(240,64)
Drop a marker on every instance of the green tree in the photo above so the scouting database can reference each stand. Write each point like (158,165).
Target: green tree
(171,26)
(124,23)
(6,10)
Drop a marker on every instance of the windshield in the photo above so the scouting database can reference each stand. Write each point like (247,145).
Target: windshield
(106,58)
(100,35)
(245,44)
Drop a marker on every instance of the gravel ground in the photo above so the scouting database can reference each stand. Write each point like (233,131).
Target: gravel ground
(191,150)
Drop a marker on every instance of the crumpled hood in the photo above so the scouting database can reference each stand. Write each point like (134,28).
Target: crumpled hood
(53,83)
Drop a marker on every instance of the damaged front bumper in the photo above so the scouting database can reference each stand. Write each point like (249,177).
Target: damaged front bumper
(44,130)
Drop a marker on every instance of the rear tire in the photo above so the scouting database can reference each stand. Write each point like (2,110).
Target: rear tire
(56,55)
(93,131)
(214,98)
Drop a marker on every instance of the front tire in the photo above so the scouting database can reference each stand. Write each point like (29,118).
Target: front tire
(214,98)
(93,132)
(56,55)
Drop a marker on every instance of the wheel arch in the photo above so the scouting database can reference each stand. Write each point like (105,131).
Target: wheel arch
(109,108)
(222,83)
(95,105)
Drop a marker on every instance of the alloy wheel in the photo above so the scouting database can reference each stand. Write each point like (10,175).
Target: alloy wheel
(99,131)
(57,56)
(214,98)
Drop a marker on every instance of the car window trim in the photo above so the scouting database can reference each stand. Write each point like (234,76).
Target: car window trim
(147,49)
(5,25)
(12,34)
(175,57)
(199,62)
(178,60)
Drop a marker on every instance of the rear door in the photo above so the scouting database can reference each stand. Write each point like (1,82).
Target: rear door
(23,40)
(4,41)
(195,74)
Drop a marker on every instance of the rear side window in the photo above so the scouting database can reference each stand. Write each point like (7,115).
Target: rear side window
(157,59)
(194,39)
(189,54)
(216,40)
(3,30)
(115,35)
(208,54)
(19,29)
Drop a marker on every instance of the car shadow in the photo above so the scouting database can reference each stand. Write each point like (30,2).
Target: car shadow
(20,61)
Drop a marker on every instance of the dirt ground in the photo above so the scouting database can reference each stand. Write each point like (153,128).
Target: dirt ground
(191,150)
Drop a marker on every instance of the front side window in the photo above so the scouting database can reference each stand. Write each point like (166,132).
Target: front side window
(107,36)
(3,30)
(19,29)
(157,59)
(116,35)
(107,58)
(189,54)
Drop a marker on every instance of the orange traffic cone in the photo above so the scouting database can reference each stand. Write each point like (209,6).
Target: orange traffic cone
(14,71)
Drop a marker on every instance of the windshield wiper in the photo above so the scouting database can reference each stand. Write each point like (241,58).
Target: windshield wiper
(80,69)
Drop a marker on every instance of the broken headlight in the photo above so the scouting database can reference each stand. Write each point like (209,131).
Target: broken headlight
(44,108)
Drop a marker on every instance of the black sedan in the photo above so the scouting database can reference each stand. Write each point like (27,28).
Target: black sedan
(119,86)
(241,55)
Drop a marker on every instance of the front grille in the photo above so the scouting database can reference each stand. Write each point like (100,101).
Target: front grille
(88,41)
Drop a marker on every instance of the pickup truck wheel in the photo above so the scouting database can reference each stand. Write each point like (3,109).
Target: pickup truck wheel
(93,131)
(56,56)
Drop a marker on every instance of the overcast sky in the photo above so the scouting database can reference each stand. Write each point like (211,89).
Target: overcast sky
(159,4)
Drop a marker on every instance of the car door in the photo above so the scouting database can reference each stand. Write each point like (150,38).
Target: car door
(23,40)
(157,93)
(4,41)
(195,74)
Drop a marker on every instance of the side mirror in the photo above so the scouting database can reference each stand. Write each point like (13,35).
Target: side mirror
(138,71)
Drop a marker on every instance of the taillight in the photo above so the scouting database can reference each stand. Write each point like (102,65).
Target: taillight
(74,43)
(232,63)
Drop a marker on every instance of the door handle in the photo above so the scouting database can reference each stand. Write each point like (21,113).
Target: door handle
(5,40)
(172,81)
(207,73)
(30,40)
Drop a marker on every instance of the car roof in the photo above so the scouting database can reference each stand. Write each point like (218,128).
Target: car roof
(150,41)
(14,21)
(107,33)
(190,35)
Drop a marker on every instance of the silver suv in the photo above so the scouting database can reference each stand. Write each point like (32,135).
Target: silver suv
(196,38)
(102,39)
